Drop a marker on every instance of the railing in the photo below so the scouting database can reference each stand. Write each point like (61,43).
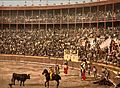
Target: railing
(53,60)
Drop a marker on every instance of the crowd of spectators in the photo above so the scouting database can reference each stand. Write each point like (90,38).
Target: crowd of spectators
(61,18)
(52,43)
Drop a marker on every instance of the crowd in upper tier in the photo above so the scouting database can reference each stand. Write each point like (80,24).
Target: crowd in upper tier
(57,17)
(90,43)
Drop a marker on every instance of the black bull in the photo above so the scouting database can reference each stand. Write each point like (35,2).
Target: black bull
(20,77)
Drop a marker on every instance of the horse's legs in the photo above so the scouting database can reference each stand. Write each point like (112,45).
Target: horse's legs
(57,83)
(48,83)
(45,83)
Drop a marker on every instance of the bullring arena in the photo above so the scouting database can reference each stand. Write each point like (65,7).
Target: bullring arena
(72,80)
(83,39)
(34,66)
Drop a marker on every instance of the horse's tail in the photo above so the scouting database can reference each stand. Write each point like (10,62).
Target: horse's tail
(59,77)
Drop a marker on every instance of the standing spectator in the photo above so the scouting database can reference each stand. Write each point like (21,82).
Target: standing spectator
(89,69)
(66,68)
(83,73)
(107,73)
(103,72)
(57,69)
(95,72)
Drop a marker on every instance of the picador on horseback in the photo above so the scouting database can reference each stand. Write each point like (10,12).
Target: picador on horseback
(51,76)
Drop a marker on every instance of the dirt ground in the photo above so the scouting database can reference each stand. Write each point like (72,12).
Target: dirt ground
(71,80)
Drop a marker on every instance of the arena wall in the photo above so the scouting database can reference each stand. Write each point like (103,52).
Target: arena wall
(60,61)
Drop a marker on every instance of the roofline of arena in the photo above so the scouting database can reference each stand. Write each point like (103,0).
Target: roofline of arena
(48,7)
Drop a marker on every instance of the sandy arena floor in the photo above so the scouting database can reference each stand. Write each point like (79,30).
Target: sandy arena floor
(72,80)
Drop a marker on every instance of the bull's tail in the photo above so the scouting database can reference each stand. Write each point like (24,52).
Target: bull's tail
(13,78)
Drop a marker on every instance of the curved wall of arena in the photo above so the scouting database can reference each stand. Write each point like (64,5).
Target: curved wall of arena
(70,16)
(50,60)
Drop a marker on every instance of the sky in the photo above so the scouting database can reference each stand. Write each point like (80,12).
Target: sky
(37,2)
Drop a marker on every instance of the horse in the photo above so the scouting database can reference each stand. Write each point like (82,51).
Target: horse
(55,77)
